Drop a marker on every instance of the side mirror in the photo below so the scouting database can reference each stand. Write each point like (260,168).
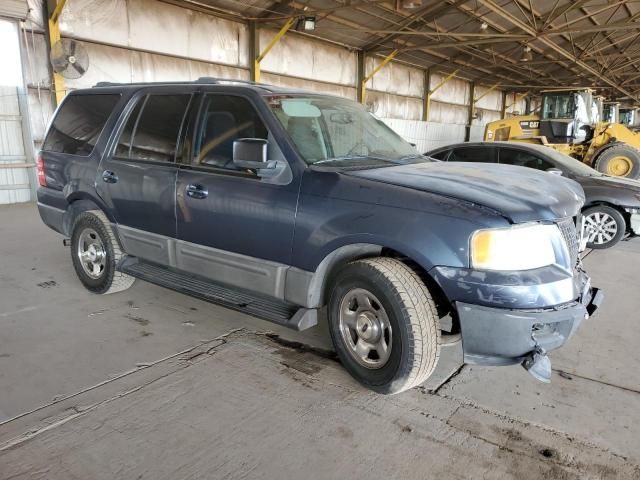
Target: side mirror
(251,153)
(555,171)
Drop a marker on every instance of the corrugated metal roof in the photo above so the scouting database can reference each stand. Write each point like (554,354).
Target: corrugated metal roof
(582,42)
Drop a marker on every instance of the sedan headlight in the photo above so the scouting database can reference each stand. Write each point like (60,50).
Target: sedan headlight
(521,247)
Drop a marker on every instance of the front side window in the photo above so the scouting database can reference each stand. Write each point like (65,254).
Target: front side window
(79,123)
(225,119)
(339,132)
(524,159)
(153,127)
(473,154)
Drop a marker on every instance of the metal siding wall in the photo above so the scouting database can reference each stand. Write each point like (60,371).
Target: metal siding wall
(301,57)
(14,181)
(320,87)
(426,135)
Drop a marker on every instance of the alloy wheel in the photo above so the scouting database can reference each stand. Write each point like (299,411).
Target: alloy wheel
(601,228)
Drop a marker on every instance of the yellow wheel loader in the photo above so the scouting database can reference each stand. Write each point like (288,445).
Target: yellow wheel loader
(570,122)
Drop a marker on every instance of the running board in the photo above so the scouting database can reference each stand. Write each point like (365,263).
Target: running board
(276,311)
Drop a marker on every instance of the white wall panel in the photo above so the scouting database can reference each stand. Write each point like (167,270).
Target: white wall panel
(298,56)
(106,21)
(454,91)
(491,100)
(40,113)
(157,27)
(395,78)
(446,113)
(426,135)
(393,106)
(320,87)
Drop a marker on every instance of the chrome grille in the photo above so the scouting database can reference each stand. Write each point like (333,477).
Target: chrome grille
(571,238)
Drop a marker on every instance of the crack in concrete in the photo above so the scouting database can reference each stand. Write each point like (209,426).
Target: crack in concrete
(568,375)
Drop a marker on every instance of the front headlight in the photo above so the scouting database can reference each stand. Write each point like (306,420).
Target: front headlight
(521,247)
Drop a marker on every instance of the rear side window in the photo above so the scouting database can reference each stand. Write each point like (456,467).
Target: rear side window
(79,123)
(473,154)
(523,159)
(153,127)
(440,155)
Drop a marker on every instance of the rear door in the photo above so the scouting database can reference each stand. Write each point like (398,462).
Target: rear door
(137,176)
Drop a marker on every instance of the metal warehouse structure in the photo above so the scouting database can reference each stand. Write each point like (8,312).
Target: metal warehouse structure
(436,71)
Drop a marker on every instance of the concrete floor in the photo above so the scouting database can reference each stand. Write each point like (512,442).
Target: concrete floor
(152,384)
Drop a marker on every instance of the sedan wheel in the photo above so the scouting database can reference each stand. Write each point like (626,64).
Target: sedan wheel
(604,226)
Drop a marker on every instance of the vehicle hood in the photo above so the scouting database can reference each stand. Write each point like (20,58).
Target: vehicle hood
(621,191)
(519,194)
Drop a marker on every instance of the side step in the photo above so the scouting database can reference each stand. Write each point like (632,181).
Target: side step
(280,312)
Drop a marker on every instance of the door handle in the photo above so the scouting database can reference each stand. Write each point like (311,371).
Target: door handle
(109,177)
(197,191)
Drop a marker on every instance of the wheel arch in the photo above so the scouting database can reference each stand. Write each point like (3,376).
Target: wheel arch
(312,289)
(81,202)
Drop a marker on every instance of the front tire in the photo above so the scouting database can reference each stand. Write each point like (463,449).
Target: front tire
(604,226)
(384,325)
(619,161)
(95,252)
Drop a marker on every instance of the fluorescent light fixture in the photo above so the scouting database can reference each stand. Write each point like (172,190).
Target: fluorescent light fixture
(309,24)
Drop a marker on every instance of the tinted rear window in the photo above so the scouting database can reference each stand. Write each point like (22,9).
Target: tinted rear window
(79,123)
(473,154)
(152,130)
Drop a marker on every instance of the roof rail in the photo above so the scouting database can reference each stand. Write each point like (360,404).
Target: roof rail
(223,80)
(205,80)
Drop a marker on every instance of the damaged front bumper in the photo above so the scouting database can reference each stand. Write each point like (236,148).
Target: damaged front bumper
(505,318)
(496,336)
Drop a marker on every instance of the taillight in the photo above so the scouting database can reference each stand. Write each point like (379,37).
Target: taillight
(42,179)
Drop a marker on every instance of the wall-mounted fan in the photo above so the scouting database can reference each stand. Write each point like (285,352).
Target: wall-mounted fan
(69,58)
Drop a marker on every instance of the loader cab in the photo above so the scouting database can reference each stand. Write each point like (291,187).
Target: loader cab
(567,116)
(627,117)
(611,112)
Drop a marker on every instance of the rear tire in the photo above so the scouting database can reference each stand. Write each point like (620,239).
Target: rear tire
(384,325)
(95,252)
(619,161)
(605,226)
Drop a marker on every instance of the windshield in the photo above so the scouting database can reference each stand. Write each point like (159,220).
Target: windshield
(337,132)
(558,105)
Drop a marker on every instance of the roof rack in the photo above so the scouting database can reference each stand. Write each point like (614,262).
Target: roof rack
(203,80)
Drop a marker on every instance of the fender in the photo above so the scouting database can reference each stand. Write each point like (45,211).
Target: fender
(81,202)
(309,289)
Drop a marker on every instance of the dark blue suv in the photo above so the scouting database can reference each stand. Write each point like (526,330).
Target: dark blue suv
(279,202)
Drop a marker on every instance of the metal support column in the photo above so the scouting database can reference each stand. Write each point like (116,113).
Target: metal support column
(360,67)
(425,95)
(503,107)
(53,9)
(254,49)
(472,93)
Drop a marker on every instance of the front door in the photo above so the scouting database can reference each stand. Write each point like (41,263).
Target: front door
(233,226)
(137,178)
